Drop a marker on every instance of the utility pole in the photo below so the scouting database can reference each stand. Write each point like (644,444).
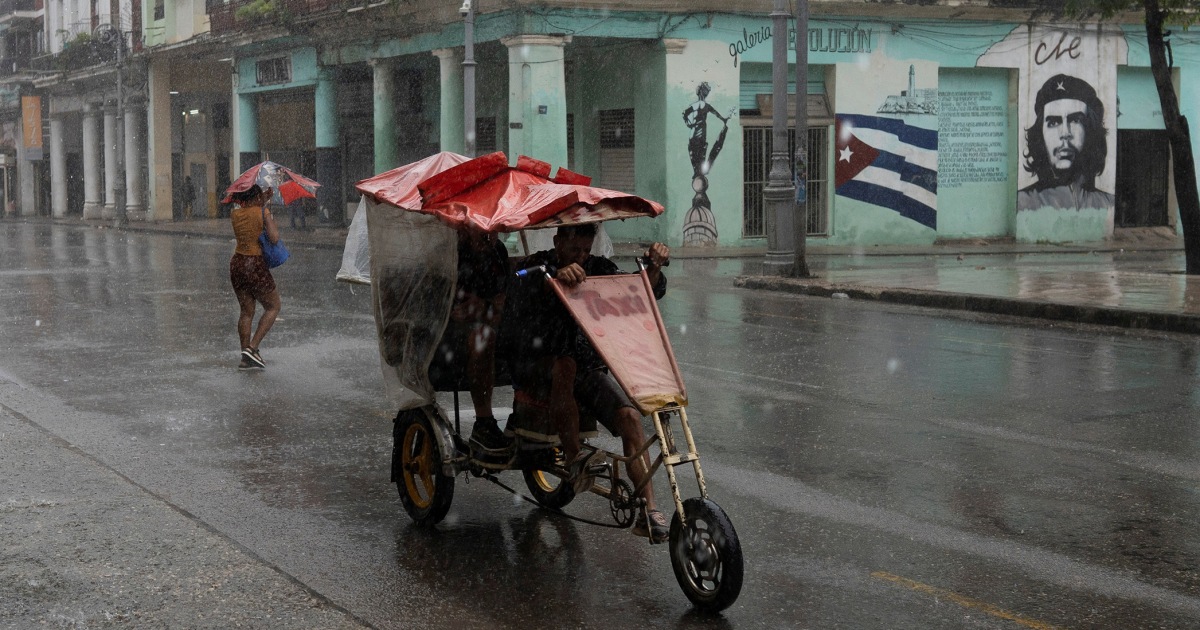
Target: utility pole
(468,12)
(800,238)
(121,219)
(778,194)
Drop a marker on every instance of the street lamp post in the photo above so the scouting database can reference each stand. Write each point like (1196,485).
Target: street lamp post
(468,12)
(800,224)
(779,193)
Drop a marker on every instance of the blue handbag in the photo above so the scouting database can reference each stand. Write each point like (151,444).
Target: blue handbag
(274,253)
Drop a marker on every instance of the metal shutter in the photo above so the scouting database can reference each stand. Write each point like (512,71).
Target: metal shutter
(617,142)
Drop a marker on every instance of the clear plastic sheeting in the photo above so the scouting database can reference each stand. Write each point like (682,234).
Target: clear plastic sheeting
(413,265)
(356,257)
(543,239)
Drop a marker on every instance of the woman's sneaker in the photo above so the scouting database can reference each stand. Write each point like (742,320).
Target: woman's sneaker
(251,360)
(658,530)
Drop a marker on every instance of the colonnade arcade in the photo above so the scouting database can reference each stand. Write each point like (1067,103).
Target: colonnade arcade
(94,121)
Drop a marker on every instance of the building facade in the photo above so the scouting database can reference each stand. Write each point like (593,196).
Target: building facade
(927,122)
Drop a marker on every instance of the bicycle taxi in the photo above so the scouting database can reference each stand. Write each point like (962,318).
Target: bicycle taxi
(405,234)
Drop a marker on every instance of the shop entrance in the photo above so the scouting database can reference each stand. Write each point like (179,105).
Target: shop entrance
(1143,159)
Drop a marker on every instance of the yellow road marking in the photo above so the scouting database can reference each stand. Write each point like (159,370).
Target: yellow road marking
(964,601)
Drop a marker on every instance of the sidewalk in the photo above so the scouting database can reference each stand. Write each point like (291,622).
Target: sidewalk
(1133,281)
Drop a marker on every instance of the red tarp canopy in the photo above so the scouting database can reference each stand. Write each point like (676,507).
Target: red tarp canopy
(398,187)
(492,196)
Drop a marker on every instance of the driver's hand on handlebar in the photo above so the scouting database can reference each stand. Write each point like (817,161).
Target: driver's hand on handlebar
(658,254)
(571,275)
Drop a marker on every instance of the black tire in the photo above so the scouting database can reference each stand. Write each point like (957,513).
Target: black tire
(706,555)
(548,489)
(425,490)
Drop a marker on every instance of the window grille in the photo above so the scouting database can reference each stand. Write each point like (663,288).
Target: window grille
(274,70)
(485,135)
(756,170)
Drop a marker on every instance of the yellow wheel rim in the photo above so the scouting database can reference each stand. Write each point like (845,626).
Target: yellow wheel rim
(546,481)
(417,459)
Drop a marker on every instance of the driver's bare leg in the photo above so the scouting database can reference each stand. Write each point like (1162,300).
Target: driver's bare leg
(481,368)
(563,407)
(629,427)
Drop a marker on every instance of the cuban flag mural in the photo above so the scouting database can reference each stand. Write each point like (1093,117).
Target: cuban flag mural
(887,162)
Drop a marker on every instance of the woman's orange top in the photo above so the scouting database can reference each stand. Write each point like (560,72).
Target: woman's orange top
(247,226)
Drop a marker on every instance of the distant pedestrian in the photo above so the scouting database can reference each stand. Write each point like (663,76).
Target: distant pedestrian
(249,274)
(296,210)
(187,195)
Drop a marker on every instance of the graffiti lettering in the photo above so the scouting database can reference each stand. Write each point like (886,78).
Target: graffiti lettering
(749,40)
(1044,53)
(599,307)
(839,40)
(834,40)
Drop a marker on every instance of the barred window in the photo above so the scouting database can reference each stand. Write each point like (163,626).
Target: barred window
(274,70)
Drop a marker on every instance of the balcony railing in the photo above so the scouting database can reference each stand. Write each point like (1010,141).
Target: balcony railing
(77,56)
(8,6)
(14,65)
(235,15)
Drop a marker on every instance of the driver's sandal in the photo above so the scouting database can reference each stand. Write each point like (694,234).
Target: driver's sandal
(652,524)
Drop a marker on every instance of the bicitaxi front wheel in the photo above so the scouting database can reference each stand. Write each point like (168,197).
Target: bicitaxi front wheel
(425,491)
(706,555)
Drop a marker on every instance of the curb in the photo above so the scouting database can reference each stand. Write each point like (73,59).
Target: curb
(1035,309)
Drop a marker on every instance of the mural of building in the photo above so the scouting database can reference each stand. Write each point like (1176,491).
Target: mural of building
(995,123)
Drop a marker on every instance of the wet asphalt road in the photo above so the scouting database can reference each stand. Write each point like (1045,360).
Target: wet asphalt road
(885,467)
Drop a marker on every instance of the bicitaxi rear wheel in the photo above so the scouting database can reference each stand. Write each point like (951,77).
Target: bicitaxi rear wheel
(706,555)
(548,489)
(425,490)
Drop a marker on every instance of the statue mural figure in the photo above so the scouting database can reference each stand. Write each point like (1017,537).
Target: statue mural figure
(700,227)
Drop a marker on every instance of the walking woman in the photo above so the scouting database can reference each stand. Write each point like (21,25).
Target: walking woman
(249,274)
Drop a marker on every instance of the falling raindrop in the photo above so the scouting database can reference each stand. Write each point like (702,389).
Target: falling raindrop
(893,365)
(683,329)
(37,323)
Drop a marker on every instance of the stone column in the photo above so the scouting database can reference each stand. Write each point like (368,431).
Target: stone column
(451,131)
(135,146)
(247,132)
(58,167)
(110,160)
(27,201)
(384,83)
(158,140)
(92,202)
(330,196)
(537,102)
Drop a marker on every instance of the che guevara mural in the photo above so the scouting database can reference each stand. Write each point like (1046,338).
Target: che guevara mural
(1067,104)
(901,134)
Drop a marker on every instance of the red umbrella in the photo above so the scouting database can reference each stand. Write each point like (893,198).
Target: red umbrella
(494,197)
(287,184)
